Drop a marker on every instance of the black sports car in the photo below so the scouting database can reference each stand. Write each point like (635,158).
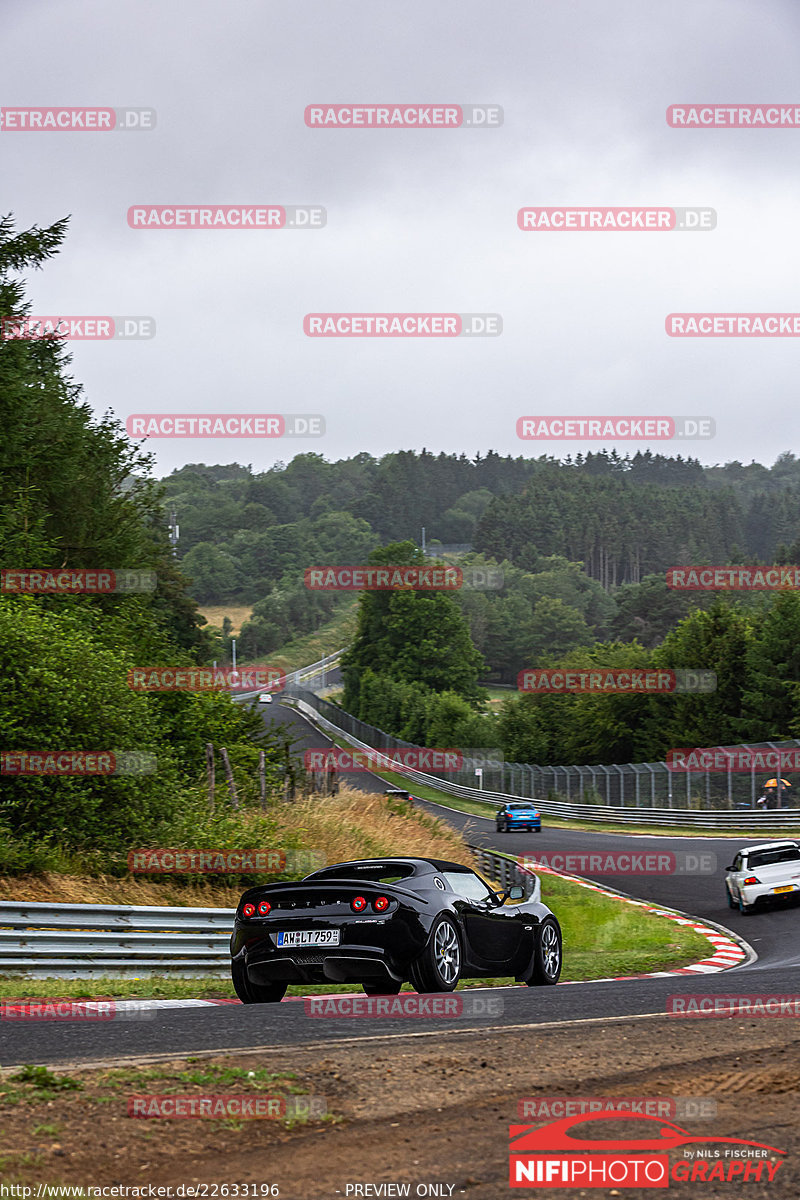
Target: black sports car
(380,922)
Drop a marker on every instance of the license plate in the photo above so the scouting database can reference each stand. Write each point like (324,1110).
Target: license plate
(309,937)
(787,888)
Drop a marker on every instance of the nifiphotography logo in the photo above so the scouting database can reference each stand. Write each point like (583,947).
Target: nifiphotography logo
(554,1156)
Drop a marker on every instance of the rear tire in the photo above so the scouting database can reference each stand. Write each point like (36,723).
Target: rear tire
(548,956)
(255,993)
(390,988)
(731,902)
(438,968)
(745,909)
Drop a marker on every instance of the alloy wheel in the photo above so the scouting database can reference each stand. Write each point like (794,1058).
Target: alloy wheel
(447,952)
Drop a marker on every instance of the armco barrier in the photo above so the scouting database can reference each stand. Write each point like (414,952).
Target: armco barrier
(81,941)
(506,872)
(85,940)
(309,675)
(755,821)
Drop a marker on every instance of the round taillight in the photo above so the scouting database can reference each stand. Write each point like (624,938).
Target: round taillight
(249,910)
(264,908)
(380,903)
(358,904)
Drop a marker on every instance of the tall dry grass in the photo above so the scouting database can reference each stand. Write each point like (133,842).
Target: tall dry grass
(357,825)
(349,825)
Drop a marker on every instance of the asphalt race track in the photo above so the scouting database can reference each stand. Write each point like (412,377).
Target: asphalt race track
(774,935)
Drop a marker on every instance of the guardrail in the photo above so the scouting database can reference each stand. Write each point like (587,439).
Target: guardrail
(81,941)
(506,872)
(307,674)
(756,820)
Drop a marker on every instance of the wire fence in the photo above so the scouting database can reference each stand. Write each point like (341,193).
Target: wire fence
(652,785)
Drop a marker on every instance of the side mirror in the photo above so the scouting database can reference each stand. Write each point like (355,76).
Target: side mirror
(732,867)
(517,892)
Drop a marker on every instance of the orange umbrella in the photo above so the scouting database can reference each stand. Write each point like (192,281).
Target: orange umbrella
(774,783)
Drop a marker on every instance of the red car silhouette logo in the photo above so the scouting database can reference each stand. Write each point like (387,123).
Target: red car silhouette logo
(556,1136)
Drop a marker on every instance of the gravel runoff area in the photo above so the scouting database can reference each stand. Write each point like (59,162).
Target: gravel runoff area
(417,1110)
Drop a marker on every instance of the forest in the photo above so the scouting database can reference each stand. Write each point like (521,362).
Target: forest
(583,543)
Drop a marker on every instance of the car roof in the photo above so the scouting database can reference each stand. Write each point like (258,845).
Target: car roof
(768,846)
(422,866)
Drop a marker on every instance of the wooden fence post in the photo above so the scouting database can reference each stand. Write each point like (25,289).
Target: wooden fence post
(226,762)
(210,774)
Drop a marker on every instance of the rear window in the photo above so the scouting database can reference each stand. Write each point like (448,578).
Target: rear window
(765,858)
(373,872)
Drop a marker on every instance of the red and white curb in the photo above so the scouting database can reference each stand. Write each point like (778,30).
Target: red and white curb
(727,952)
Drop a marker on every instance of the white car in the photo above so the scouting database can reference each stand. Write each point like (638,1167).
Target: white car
(265,698)
(760,872)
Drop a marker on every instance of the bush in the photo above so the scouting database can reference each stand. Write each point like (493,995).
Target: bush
(65,689)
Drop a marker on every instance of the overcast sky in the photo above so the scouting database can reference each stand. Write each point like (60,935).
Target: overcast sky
(417,220)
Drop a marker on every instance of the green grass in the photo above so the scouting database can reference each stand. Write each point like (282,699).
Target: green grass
(311,647)
(209,1075)
(604,936)
(37,1086)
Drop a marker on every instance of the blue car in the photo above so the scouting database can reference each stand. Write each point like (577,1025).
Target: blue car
(519,814)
